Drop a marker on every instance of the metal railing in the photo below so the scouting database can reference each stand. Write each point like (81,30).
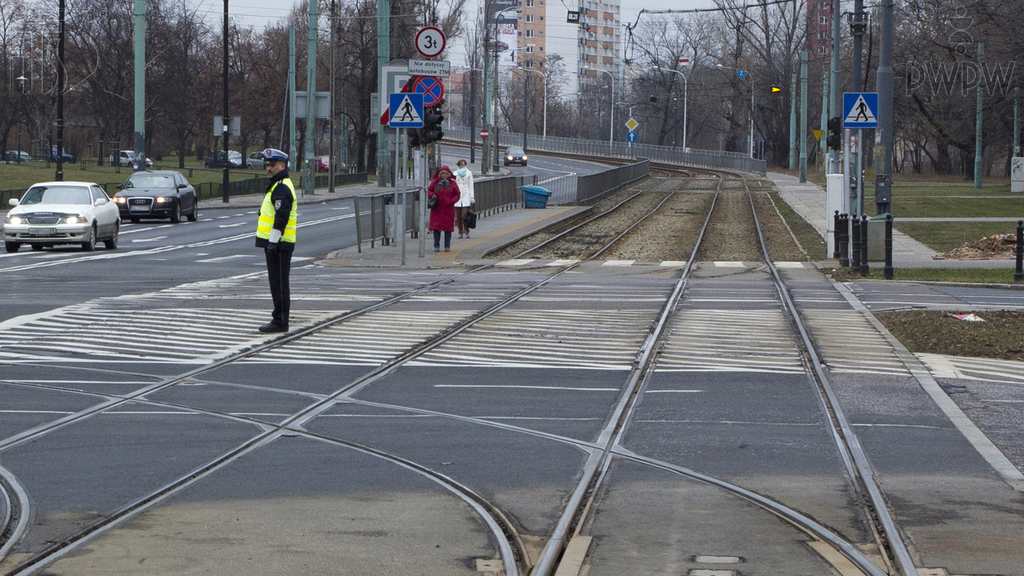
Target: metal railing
(495,195)
(666,154)
(594,185)
(375,211)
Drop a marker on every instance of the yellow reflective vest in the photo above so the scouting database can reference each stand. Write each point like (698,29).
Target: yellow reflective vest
(268,211)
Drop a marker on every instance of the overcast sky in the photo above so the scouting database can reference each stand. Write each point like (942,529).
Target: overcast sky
(260,13)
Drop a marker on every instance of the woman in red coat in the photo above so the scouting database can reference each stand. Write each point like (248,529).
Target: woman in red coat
(442,215)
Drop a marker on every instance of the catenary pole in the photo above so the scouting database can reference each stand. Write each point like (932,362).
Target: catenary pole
(308,180)
(225,129)
(59,176)
(792,122)
(293,142)
(383,56)
(834,162)
(140,86)
(978,123)
(884,132)
(802,137)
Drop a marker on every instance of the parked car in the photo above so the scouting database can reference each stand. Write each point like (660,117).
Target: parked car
(218,160)
(54,213)
(323,163)
(68,158)
(157,194)
(127,158)
(515,155)
(12,156)
(254,161)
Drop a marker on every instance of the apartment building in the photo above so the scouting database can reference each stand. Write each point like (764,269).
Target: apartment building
(819,29)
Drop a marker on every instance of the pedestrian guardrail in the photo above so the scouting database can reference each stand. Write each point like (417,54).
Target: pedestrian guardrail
(667,154)
(495,195)
(374,214)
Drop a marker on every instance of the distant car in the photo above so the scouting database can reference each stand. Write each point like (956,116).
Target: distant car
(254,161)
(127,158)
(12,156)
(54,213)
(68,158)
(515,155)
(157,194)
(497,46)
(323,163)
(218,160)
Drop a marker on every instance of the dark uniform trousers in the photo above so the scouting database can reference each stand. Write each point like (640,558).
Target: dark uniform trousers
(279,265)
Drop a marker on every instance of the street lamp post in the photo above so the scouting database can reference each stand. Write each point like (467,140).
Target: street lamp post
(611,122)
(685,89)
(21,111)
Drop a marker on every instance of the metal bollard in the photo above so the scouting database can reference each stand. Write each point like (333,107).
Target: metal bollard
(1019,274)
(888,247)
(844,240)
(835,234)
(855,244)
(864,270)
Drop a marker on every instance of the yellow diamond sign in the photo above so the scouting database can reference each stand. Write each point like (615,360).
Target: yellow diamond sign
(632,124)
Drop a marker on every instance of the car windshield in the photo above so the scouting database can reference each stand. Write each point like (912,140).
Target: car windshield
(234,154)
(515,150)
(57,195)
(149,181)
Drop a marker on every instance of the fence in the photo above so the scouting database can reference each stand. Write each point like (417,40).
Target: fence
(373,215)
(667,154)
(593,185)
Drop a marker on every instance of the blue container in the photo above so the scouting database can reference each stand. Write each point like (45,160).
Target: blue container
(535,197)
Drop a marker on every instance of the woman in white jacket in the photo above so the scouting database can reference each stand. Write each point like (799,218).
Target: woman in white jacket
(464,178)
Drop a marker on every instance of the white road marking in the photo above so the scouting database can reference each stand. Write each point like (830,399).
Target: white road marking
(618,263)
(237,224)
(516,262)
(154,239)
(222,258)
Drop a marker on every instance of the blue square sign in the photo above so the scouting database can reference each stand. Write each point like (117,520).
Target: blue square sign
(860,110)
(405,110)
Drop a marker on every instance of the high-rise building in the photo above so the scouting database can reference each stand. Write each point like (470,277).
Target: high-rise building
(819,29)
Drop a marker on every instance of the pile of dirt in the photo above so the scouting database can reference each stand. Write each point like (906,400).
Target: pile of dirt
(1000,334)
(991,247)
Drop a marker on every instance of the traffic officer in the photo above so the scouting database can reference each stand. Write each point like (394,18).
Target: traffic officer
(275,233)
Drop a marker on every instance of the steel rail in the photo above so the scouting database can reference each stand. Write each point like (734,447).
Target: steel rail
(580,501)
(864,475)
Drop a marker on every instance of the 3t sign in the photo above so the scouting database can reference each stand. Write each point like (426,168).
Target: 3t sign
(430,41)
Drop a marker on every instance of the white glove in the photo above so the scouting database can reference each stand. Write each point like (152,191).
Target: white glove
(275,236)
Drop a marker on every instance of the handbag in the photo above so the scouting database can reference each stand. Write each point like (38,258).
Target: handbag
(469,220)
(431,202)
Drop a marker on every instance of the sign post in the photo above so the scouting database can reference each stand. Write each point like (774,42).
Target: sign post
(860,110)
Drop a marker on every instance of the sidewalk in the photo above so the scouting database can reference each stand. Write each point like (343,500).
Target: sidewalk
(808,200)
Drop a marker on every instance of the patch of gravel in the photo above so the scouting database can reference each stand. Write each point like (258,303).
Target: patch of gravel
(671,233)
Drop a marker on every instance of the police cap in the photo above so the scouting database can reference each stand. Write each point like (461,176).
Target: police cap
(273,154)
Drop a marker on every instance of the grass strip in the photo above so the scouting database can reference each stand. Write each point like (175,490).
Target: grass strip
(808,237)
(1000,336)
(1000,276)
(945,236)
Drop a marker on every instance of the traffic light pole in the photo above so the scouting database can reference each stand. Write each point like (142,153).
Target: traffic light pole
(802,137)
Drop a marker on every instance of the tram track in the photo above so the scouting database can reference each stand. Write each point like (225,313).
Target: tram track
(582,499)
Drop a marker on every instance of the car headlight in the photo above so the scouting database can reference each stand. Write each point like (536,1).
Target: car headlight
(74,219)
(16,220)
(120,199)
(160,199)
(509,157)
(524,156)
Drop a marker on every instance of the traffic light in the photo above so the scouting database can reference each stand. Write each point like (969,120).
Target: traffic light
(776,89)
(432,118)
(414,138)
(834,140)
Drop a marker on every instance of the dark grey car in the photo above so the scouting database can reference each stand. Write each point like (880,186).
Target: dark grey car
(515,155)
(157,194)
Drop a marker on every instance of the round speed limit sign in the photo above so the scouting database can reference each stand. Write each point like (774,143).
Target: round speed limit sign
(430,41)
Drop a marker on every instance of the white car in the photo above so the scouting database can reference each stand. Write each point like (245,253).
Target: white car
(127,157)
(53,213)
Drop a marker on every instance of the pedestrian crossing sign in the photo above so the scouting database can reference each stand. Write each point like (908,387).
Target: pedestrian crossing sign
(405,110)
(860,110)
